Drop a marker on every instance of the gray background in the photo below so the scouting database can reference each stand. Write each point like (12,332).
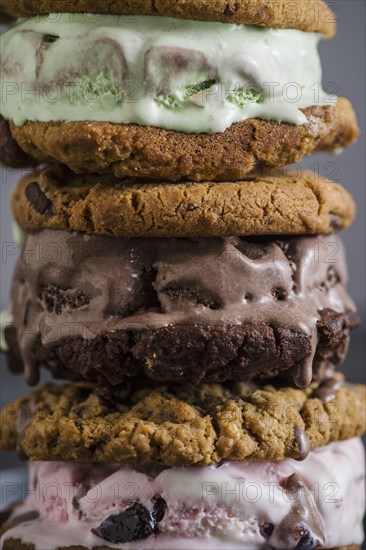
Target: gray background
(344,64)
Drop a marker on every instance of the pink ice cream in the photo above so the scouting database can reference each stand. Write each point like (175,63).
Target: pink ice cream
(317,503)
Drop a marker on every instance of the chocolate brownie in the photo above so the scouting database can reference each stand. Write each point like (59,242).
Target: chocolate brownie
(286,203)
(181,424)
(306,15)
(130,150)
(205,352)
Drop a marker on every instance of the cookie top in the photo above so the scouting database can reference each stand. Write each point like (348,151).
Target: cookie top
(181,425)
(305,15)
(287,203)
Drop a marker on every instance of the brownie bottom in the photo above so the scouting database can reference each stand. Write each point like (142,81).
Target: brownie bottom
(211,353)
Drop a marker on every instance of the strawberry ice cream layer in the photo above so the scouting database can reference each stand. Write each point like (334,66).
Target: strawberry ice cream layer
(317,503)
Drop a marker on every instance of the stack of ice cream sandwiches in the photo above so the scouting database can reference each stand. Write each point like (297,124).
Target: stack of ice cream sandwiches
(191,296)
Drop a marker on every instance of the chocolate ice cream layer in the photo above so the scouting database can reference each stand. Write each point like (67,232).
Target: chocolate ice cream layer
(103,308)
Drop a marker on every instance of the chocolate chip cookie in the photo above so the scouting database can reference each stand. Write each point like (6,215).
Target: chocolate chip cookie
(288,203)
(180,425)
(306,15)
(142,151)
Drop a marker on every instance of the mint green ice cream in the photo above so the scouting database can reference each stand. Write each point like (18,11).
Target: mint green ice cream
(182,75)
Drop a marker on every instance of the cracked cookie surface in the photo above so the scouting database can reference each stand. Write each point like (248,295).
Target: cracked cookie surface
(179,425)
(307,15)
(288,203)
(130,150)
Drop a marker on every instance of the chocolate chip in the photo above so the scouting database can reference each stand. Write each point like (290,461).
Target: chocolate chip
(333,278)
(307,541)
(279,294)
(292,483)
(40,202)
(191,207)
(105,399)
(266,530)
(230,10)
(135,523)
(159,509)
(50,38)
(335,222)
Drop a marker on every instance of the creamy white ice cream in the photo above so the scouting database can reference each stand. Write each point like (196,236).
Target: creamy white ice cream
(183,75)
